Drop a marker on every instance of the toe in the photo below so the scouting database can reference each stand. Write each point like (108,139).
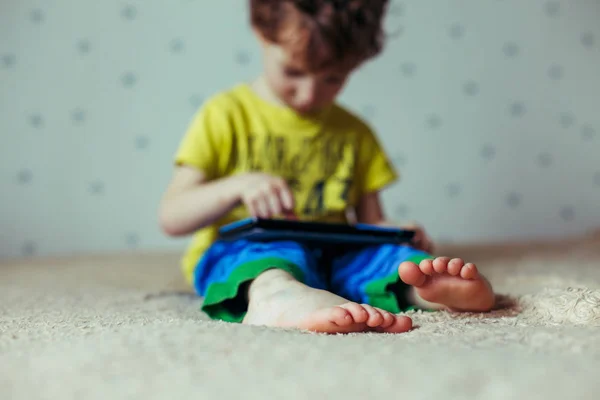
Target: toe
(469,271)
(426,267)
(375,317)
(411,274)
(388,319)
(401,324)
(358,312)
(339,316)
(455,265)
(440,264)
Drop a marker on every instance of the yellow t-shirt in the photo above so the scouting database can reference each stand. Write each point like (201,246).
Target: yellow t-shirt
(329,160)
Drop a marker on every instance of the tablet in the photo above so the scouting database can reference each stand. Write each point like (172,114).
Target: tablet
(260,229)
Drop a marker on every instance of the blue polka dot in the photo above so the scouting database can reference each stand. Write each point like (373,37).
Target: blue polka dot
(552,8)
(37,16)
(132,240)
(588,39)
(567,213)
(513,200)
(396,9)
(36,120)
(453,189)
(8,60)
(78,116)
(96,188)
(129,12)
(456,31)
(24,176)
(242,58)
(408,69)
(510,49)
(556,72)
(588,132)
(488,152)
(29,248)
(596,179)
(545,160)
(142,142)
(517,109)
(434,121)
(471,88)
(83,46)
(566,120)
(128,79)
(176,45)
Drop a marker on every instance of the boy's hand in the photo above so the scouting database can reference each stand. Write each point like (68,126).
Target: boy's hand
(421,240)
(266,195)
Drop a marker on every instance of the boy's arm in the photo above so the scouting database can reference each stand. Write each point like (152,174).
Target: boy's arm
(191,203)
(370,211)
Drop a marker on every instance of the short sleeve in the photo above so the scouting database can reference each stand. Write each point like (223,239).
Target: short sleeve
(375,168)
(206,145)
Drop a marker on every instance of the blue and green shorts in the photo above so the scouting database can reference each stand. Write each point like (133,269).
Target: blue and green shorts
(366,274)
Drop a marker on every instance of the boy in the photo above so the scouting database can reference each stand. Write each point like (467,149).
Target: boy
(282,146)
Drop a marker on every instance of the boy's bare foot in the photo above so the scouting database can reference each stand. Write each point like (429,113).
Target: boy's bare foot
(277,299)
(450,283)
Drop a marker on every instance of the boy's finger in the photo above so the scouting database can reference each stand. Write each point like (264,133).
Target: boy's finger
(261,208)
(287,199)
(251,209)
(275,204)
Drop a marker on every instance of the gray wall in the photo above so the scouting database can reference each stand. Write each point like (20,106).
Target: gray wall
(488,108)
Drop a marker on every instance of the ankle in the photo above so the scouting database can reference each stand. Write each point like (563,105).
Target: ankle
(267,282)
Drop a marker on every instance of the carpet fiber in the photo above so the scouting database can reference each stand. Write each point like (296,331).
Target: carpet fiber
(126,327)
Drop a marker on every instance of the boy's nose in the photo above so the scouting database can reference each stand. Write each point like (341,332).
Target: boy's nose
(307,95)
(305,104)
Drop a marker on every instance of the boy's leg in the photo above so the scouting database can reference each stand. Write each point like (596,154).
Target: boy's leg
(399,278)
(277,284)
(276,299)
(226,270)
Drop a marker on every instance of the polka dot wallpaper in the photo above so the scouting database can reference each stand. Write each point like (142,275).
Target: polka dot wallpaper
(488,108)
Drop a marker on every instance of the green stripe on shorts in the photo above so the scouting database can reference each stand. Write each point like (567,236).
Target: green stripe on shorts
(223,300)
(380,295)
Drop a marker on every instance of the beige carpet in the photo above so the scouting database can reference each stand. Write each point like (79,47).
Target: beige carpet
(124,327)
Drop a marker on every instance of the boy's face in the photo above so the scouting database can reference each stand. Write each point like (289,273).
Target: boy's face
(303,91)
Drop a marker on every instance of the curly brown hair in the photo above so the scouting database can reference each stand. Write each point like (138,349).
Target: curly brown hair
(322,33)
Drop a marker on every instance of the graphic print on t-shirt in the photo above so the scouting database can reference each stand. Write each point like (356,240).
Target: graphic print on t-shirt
(319,169)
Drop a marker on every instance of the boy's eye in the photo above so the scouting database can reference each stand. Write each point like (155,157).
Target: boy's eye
(293,73)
